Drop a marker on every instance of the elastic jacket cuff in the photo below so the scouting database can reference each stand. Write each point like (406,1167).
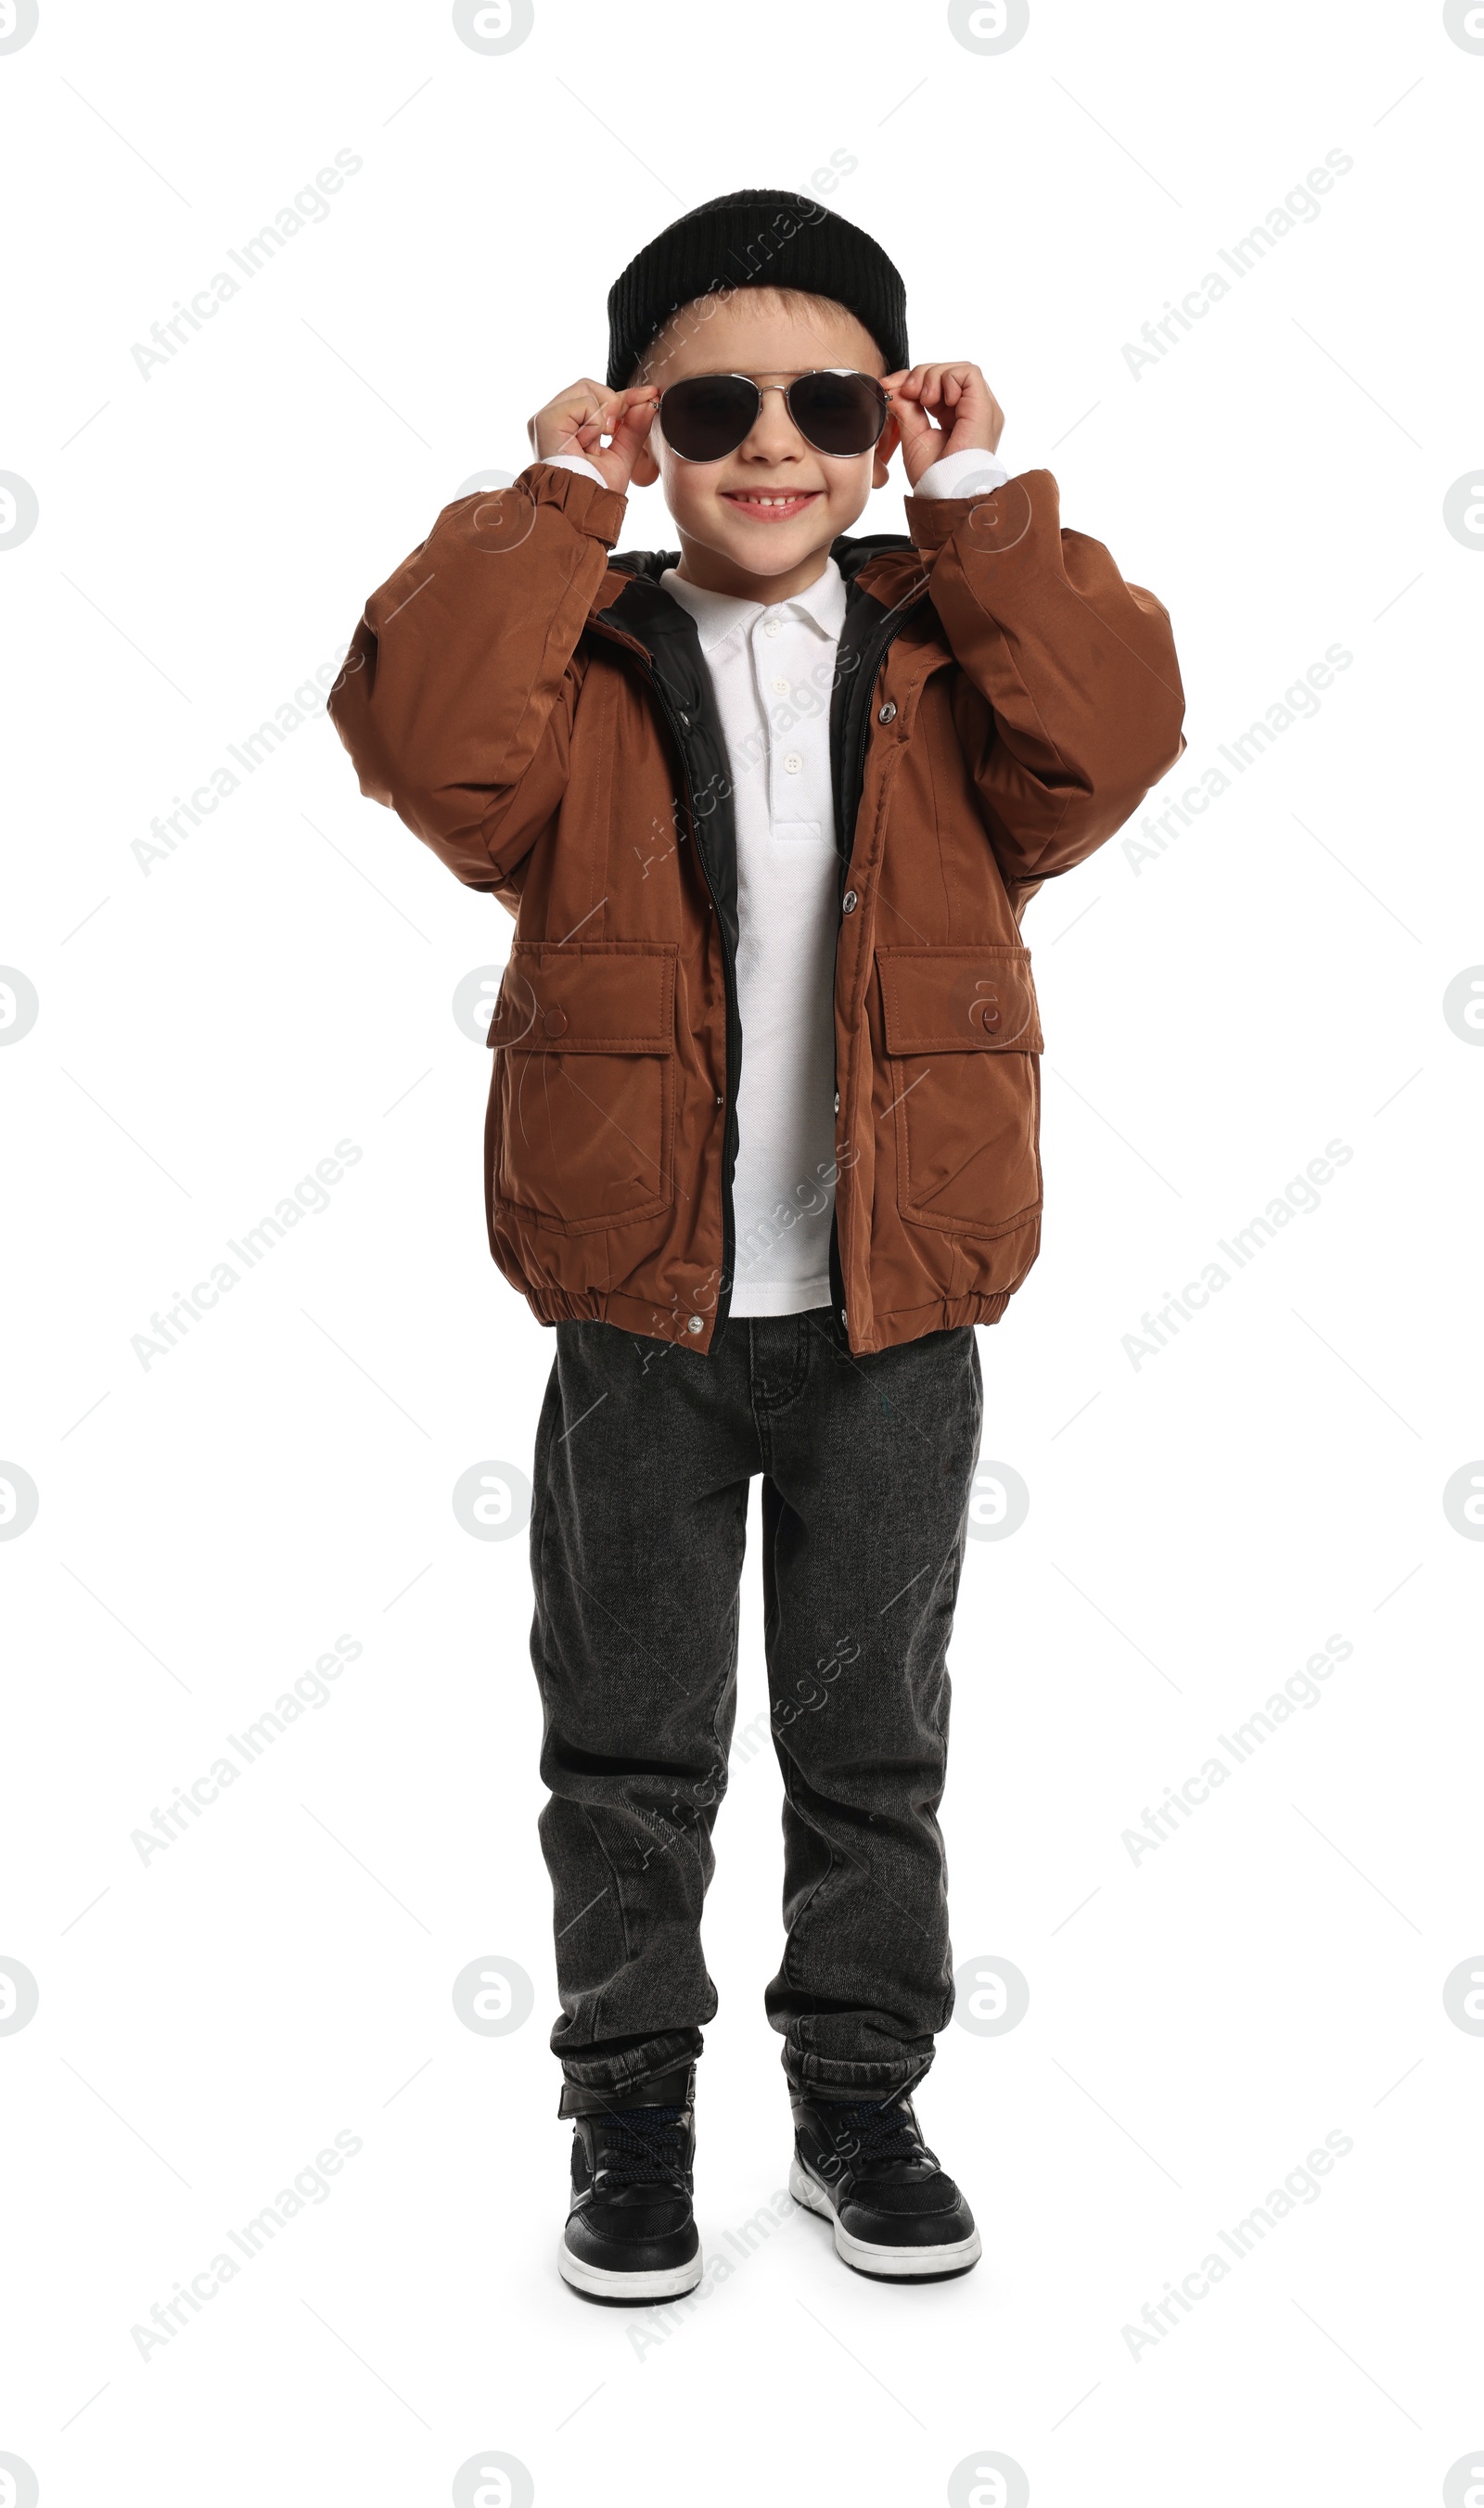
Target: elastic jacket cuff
(596,511)
(933,520)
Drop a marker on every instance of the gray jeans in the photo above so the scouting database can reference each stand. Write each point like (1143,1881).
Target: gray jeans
(643,1453)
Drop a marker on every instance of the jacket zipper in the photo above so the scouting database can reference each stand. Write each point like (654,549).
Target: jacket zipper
(678,726)
(848,805)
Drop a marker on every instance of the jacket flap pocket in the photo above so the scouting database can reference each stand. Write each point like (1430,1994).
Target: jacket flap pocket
(587,997)
(960,999)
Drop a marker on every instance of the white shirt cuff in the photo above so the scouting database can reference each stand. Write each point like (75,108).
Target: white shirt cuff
(578,462)
(970,473)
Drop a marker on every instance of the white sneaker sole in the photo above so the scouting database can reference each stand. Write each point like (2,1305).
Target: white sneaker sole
(601,2283)
(900,2264)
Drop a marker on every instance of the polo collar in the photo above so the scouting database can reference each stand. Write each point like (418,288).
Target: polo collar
(721,614)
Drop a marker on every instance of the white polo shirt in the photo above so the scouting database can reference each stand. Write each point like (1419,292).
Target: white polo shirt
(772,668)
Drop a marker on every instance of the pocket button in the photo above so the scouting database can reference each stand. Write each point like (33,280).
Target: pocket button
(555,1022)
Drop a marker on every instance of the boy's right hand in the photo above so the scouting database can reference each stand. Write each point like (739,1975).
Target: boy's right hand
(578,419)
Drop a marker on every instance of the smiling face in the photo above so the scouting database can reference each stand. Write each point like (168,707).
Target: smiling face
(758,522)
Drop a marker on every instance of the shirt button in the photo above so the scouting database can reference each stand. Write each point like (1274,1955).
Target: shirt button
(780,687)
(793,763)
(771,626)
(849,901)
(888,713)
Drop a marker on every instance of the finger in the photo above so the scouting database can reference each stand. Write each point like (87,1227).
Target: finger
(567,413)
(632,426)
(587,401)
(947,383)
(614,407)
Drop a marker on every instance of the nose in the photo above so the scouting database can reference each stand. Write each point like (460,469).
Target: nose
(773,436)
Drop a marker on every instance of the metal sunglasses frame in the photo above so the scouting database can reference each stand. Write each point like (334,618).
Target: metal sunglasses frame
(730,375)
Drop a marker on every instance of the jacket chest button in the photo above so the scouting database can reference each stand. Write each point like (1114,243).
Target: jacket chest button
(888,713)
(849,901)
(555,1022)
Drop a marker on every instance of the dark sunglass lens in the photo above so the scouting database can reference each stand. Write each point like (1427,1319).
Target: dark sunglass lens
(707,416)
(840,414)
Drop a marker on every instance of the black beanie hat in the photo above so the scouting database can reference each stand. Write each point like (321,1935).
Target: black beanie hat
(755,240)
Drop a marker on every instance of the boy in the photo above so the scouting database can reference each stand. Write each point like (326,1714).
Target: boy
(763,1131)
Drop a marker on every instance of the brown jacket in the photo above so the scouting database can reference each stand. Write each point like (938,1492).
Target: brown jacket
(541,714)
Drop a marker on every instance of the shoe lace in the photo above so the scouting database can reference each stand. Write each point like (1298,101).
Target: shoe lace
(643,2145)
(878,2132)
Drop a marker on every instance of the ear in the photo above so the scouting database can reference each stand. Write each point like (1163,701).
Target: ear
(646,468)
(887,442)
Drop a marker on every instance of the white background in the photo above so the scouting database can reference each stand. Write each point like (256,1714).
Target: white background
(209,1027)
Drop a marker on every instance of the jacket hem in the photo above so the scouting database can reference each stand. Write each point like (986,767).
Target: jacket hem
(639,1315)
(942,1314)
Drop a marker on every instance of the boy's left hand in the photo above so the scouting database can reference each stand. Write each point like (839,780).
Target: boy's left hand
(968,416)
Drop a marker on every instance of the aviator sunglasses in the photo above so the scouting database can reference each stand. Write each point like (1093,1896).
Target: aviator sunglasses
(706,417)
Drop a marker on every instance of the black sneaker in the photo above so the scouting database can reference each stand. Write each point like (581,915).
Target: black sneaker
(863,2166)
(631,2234)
